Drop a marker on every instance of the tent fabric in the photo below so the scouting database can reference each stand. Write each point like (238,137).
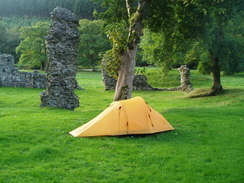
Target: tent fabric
(132,116)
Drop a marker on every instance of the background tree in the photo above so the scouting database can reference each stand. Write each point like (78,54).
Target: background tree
(214,16)
(233,61)
(197,56)
(196,20)
(155,51)
(93,42)
(32,47)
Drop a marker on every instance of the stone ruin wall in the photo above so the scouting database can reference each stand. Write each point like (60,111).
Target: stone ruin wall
(10,76)
(62,44)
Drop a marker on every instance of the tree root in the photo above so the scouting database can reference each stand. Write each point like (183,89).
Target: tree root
(205,93)
(179,88)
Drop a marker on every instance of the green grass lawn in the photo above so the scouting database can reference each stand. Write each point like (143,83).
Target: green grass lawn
(206,145)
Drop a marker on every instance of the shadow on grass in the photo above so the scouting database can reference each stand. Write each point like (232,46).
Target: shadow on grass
(238,75)
(141,135)
(202,92)
(234,91)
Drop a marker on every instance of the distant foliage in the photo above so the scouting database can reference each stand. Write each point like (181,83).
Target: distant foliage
(2,37)
(15,23)
(10,34)
(93,42)
(154,51)
(32,47)
(9,39)
(42,8)
(140,71)
(234,45)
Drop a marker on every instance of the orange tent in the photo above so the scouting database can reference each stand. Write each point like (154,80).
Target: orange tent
(132,116)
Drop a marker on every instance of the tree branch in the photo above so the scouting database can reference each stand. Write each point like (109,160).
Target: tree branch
(129,5)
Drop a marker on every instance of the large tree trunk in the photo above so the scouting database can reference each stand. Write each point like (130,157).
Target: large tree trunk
(216,85)
(124,84)
(43,66)
(214,56)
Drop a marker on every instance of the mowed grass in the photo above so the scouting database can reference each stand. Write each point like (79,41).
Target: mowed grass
(205,147)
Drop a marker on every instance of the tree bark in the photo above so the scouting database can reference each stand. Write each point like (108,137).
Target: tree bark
(216,85)
(124,83)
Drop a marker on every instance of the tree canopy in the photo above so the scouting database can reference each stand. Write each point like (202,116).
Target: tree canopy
(197,30)
(32,47)
(93,41)
(212,17)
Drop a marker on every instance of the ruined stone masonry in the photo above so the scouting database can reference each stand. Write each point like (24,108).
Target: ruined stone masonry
(185,84)
(61,44)
(109,82)
(140,82)
(10,76)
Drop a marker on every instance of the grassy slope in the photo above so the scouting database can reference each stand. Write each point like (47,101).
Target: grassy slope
(207,145)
